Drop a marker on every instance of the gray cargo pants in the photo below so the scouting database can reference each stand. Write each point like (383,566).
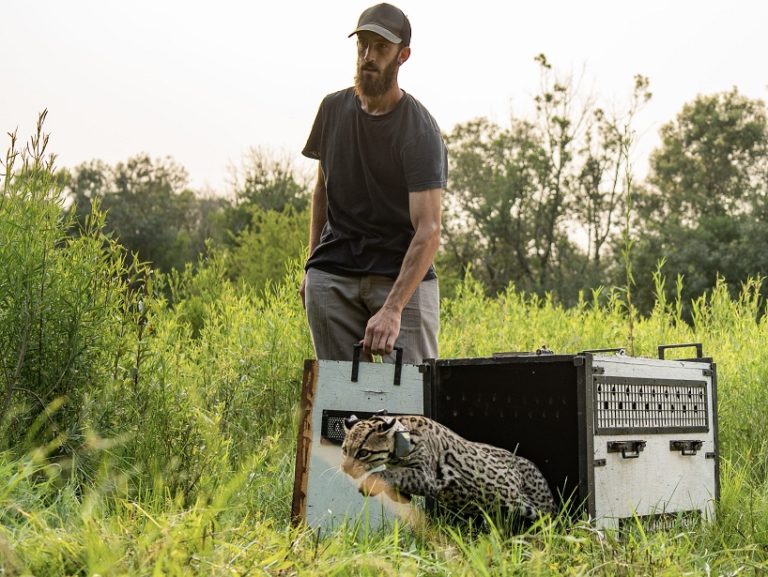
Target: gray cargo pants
(338,309)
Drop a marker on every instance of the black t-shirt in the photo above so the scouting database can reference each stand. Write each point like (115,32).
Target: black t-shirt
(371,164)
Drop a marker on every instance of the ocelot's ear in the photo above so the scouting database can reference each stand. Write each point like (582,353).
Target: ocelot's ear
(389,422)
(349,422)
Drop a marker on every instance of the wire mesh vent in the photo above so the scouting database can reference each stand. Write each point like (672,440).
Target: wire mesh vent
(628,404)
(332,428)
(332,425)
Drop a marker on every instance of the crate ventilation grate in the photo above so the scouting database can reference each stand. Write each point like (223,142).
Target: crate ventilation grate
(332,424)
(632,404)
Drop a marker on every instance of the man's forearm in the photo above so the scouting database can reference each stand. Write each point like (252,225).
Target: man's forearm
(419,257)
(425,215)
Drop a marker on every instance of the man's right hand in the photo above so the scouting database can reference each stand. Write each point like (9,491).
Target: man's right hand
(382,331)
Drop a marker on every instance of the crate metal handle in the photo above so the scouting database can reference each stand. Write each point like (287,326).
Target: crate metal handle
(687,448)
(355,361)
(628,449)
(699,349)
(357,347)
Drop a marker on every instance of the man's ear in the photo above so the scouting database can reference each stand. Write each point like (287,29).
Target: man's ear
(405,54)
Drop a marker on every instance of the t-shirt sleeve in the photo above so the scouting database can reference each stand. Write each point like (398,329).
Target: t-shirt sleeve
(313,147)
(425,162)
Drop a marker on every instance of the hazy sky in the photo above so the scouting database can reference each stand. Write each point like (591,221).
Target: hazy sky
(203,82)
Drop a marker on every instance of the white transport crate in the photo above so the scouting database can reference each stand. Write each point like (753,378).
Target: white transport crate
(653,439)
(618,438)
(324,497)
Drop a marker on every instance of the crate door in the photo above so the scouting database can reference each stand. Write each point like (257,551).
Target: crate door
(324,497)
(527,404)
(654,442)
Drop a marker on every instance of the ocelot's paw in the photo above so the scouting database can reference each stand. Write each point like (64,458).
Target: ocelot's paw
(374,485)
(399,497)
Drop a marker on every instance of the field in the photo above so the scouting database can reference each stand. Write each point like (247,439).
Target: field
(149,423)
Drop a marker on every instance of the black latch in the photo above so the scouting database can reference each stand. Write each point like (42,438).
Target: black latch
(687,448)
(628,449)
(356,363)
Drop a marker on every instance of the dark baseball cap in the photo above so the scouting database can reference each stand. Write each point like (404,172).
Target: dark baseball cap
(387,21)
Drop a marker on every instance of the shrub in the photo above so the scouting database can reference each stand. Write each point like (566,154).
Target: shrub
(62,298)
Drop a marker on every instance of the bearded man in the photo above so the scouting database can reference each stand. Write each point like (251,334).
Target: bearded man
(375,224)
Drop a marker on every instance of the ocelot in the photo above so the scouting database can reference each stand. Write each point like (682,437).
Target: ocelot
(423,457)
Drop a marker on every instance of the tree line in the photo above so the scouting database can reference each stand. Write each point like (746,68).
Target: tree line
(549,204)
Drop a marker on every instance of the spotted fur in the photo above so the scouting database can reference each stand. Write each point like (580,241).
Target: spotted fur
(433,461)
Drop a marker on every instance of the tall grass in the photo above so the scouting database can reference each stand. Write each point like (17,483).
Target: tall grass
(177,410)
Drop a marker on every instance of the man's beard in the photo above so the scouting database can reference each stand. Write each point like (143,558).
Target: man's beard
(375,85)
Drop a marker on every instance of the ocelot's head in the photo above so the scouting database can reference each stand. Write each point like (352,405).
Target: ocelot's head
(370,443)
